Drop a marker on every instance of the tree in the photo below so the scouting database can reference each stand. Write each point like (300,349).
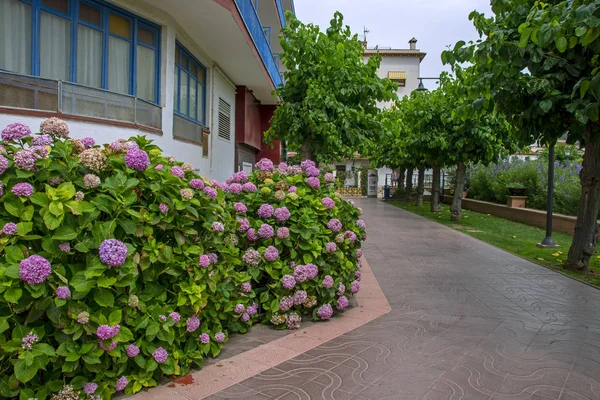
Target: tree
(538,65)
(328,104)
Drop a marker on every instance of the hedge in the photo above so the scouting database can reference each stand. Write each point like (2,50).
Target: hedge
(121,266)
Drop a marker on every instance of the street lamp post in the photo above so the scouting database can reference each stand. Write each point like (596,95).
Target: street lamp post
(422,87)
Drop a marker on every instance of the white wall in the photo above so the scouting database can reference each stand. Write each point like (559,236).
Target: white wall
(219,164)
(410,65)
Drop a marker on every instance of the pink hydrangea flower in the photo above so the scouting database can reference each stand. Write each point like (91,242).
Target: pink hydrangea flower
(204,338)
(113,345)
(3,164)
(292,189)
(292,321)
(265,165)
(164,208)
(342,302)
(88,142)
(244,224)
(159,167)
(300,297)
(10,229)
(90,388)
(312,171)
(361,224)
(246,287)
(249,187)
(285,303)
(245,317)
(288,282)
(22,189)
(42,140)
(335,225)
(197,184)
(137,159)
(192,323)
(331,247)
(204,261)
(239,308)
(329,177)
(113,253)
(177,171)
(240,208)
(34,269)
(217,227)
(63,292)
(313,182)
(25,160)
(355,287)
(328,282)
(220,337)
(251,235)
(351,236)
(341,289)
(210,192)
(160,355)
(251,257)
(325,312)
(132,350)
(122,383)
(328,203)
(271,253)
(283,232)
(265,211)
(235,188)
(282,214)
(15,131)
(266,231)
(175,317)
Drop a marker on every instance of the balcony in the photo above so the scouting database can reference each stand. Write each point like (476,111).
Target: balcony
(255,28)
(34,93)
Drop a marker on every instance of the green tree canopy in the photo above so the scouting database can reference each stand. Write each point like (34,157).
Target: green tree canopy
(328,105)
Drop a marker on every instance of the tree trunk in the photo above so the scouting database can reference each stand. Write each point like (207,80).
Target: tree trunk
(420,186)
(435,189)
(409,181)
(401,178)
(584,237)
(456,209)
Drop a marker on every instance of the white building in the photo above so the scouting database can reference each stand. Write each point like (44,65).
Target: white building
(402,66)
(194,76)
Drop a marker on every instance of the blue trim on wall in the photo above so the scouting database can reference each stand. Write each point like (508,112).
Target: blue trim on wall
(73,16)
(281,12)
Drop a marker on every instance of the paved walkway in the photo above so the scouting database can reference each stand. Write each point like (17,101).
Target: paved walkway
(468,321)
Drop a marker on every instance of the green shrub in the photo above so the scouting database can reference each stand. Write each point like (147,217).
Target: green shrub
(124,266)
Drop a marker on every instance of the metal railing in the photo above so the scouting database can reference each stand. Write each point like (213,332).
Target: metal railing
(253,24)
(34,93)
(281,12)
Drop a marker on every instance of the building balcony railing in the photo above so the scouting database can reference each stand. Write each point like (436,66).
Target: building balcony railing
(34,93)
(281,12)
(252,22)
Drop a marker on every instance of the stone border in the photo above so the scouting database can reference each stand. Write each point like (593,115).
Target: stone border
(214,378)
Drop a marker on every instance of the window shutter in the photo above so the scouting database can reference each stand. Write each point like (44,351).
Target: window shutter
(224,119)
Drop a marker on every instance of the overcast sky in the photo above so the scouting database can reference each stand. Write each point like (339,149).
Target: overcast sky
(392,23)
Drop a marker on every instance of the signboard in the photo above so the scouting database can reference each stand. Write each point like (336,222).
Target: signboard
(247,167)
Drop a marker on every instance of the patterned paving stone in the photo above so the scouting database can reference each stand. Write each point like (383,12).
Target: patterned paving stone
(468,321)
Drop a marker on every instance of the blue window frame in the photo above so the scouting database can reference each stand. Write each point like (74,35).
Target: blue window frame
(88,42)
(190,86)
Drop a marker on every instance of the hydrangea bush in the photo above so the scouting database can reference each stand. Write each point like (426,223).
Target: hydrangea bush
(121,266)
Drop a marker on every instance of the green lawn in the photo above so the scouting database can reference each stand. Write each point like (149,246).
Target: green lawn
(511,236)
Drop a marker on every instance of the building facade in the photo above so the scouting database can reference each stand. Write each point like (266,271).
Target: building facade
(402,66)
(194,76)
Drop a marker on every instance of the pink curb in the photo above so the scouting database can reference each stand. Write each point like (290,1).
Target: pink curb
(372,304)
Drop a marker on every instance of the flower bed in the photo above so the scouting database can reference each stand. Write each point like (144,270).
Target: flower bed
(121,265)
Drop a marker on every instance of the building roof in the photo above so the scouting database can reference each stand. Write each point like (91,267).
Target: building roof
(396,53)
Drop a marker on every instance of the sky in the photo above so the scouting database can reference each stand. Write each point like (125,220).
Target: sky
(392,23)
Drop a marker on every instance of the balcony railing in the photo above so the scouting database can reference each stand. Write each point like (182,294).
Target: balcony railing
(252,22)
(281,12)
(34,93)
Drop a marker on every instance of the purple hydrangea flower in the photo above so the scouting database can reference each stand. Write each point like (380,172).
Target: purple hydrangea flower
(25,160)
(10,228)
(63,292)
(235,188)
(217,227)
(329,177)
(253,309)
(307,164)
(325,312)
(355,287)
(335,225)
(328,203)
(220,337)
(282,214)
(42,140)
(159,167)
(251,257)
(282,168)
(341,289)
(90,388)
(22,189)
(288,282)
(204,338)
(292,321)
(312,171)
(351,236)
(105,332)
(160,355)
(34,269)
(175,317)
(64,247)
(328,282)
(313,182)
(300,297)
(359,253)
(164,208)
(342,303)
(239,308)
(271,253)
(29,340)
(163,318)
(113,253)
(197,184)
(240,208)
(213,258)
(251,235)
(311,271)
(122,383)
(266,231)
(294,170)
(331,247)
(88,142)
(239,177)
(285,303)
(246,287)
(177,171)
(137,159)
(113,345)
(249,187)
(90,181)
(265,165)
(132,350)
(15,131)
(210,192)
(265,211)
(204,261)
(3,164)
(283,232)
(245,317)
(192,323)
(361,224)
(244,224)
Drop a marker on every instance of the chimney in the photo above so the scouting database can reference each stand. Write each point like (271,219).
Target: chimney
(413,43)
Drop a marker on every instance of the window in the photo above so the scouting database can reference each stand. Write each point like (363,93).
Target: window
(190,86)
(398,76)
(400,82)
(87,42)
